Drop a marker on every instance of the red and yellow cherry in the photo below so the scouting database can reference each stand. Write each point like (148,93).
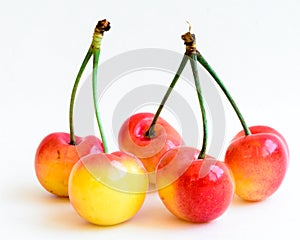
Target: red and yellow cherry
(108,189)
(258,163)
(55,158)
(195,190)
(149,149)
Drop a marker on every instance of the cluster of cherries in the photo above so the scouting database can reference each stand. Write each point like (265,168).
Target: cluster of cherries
(109,188)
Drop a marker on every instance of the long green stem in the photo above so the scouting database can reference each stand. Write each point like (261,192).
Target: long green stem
(74,90)
(101,27)
(150,132)
(95,74)
(205,64)
(193,61)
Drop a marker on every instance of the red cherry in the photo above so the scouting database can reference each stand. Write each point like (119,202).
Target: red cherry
(149,150)
(55,158)
(258,162)
(195,190)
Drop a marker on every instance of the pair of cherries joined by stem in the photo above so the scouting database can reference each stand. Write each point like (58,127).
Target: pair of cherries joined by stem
(193,185)
(103,188)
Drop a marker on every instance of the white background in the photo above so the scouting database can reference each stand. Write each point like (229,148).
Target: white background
(254,47)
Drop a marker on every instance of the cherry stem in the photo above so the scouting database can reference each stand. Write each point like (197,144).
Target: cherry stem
(74,90)
(95,73)
(101,27)
(150,133)
(205,64)
(191,51)
(193,61)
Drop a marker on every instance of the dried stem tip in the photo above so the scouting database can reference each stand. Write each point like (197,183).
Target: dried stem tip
(103,26)
(190,42)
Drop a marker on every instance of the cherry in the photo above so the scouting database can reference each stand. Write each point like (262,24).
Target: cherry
(259,163)
(55,158)
(201,193)
(106,188)
(58,152)
(258,156)
(192,185)
(132,138)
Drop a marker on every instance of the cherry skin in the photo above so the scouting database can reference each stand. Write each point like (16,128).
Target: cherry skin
(263,129)
(55,158)
(195,190)
(258,162)
(149,150)
(108,189)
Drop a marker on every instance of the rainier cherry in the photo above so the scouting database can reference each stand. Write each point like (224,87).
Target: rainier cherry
(106,189)
(133,138)
(55,158)
(201,193)
(258,162)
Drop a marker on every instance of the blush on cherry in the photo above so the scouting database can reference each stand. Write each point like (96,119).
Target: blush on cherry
(55,158)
